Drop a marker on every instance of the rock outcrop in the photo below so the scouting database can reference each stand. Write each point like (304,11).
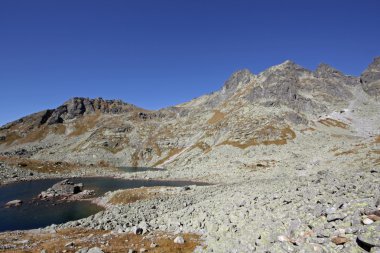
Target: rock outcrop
(370,78)
(64,188)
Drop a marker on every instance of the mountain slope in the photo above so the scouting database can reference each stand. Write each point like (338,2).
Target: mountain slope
(268,111)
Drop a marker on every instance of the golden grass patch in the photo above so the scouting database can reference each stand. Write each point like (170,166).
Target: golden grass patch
(268,135)
(203,146)
(309,129)
(334,123)
(132,195)
(171,153)
(88,238)
(59,129)
(218,116)
(348,152)
(84,124)
(40,166)
(10,138)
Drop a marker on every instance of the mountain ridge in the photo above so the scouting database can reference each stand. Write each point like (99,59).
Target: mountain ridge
(248,110)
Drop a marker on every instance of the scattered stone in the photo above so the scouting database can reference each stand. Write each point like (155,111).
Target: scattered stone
(339,240)
(179,240)
(373,217)
(69,244)
(14,203)
(283,238)
(95,250)
(335,216)
(83,250)
(367,221)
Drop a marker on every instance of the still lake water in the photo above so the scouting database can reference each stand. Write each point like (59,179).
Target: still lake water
(34,214)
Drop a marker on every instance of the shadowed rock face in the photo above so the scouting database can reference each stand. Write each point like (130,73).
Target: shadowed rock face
(370,78)
(80,106)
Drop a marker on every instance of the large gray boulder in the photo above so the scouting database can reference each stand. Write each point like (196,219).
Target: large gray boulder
(62,188)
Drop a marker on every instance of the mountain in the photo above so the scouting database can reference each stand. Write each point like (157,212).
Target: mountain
(271,110)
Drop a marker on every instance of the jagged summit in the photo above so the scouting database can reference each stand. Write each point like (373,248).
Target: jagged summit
(326,71)
(240,77)
(257,109)
(370,78)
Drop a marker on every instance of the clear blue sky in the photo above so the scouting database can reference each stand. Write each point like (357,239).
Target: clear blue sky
(156,53)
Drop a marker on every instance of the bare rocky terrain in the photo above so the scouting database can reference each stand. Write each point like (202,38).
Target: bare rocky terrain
(293,156)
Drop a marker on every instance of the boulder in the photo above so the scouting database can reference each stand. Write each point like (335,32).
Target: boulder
(62,188)
(95,250)
(179,240)
(371,237)
(13,203)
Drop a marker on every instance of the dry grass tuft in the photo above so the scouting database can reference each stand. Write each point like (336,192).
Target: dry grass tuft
(249,143)
(218,116)
(84,124)
(203,146)
(88,238)
(348,152)
(171,153)
(59,129)
(132,195)
(40,166)
(135,159)
(308,129)
(269,135)
(35,135)
(10,138)
(334,123)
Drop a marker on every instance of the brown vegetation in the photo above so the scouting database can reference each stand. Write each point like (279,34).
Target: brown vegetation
(10,138)
(71,240)
(334,123)
(348,152)
(218,116)
(171,153)
(269,135)
(84,124)
(308,129)
(38,165)
(132,195)
(203,146)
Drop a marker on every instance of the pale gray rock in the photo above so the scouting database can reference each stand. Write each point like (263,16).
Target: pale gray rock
(95,250)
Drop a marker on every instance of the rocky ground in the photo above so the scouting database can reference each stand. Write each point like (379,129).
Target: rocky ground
(292,155)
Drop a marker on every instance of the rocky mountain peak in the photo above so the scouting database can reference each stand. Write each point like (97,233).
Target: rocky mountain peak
(372,73)
(240,77)
(370,78)
(284,70)
(326,71)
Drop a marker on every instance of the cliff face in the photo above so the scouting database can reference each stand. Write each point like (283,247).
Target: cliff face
(370,78)
(267,110)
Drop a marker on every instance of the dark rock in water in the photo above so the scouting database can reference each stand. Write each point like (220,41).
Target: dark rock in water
(13,203)
(63,188)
